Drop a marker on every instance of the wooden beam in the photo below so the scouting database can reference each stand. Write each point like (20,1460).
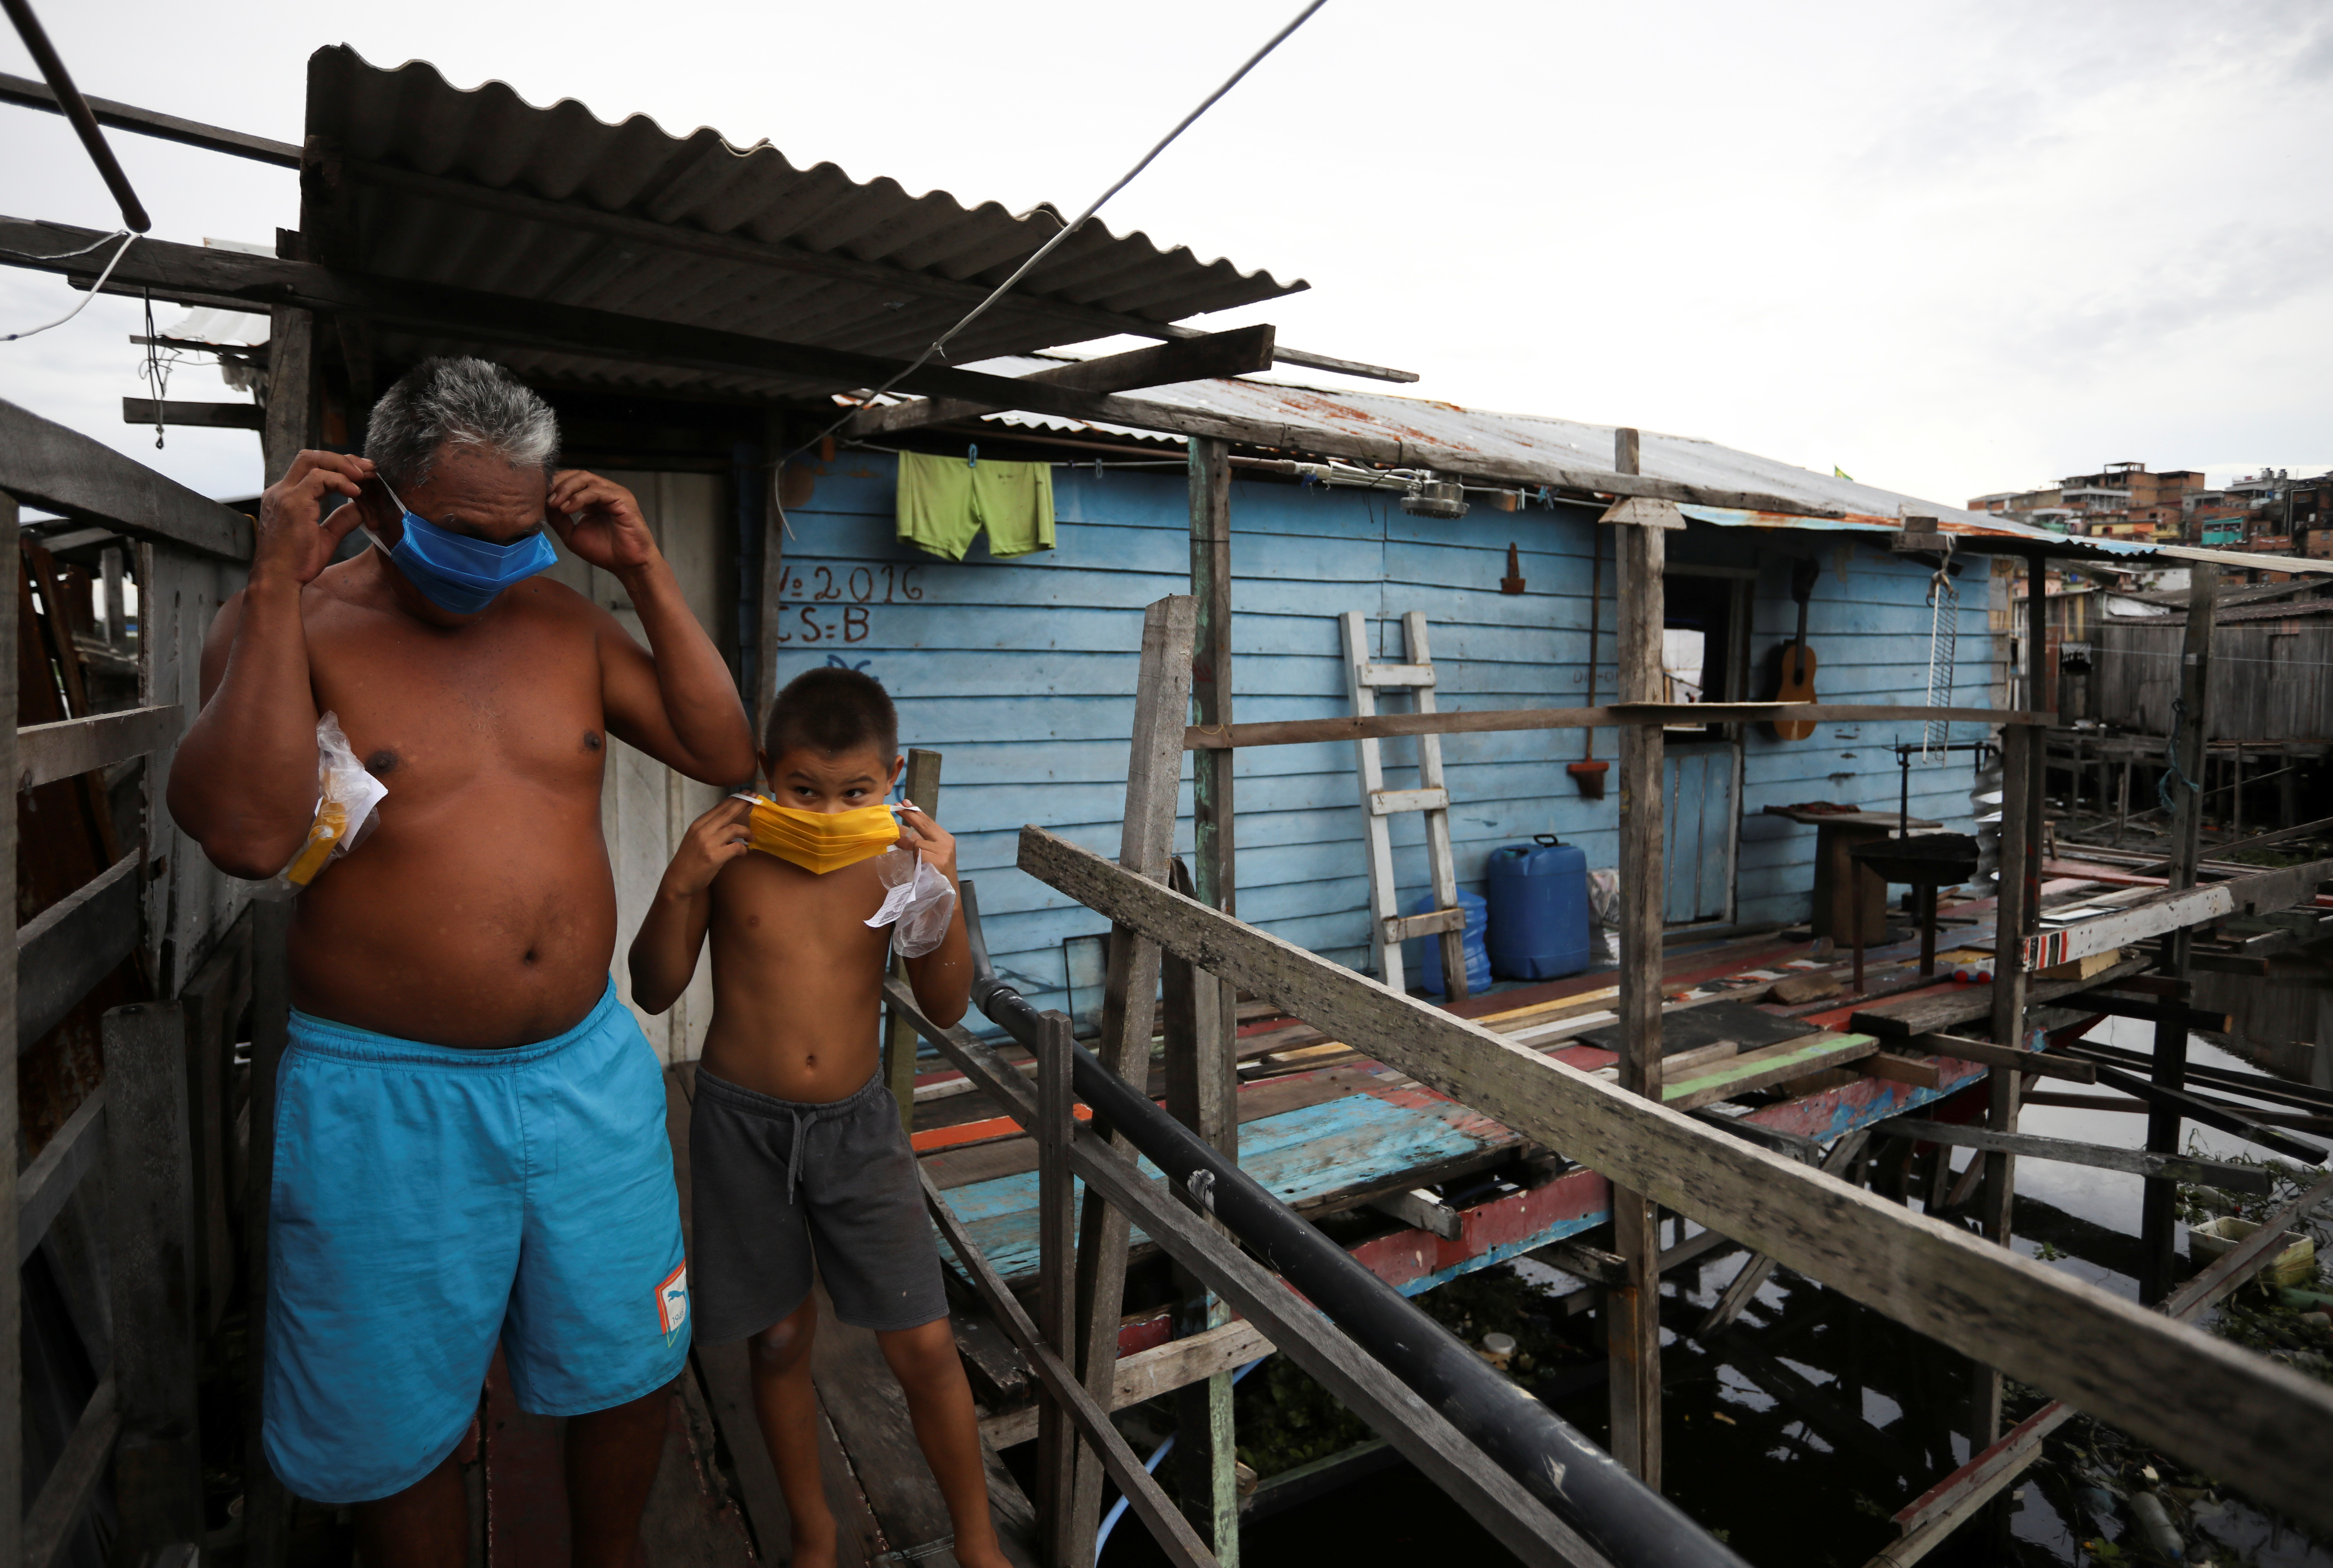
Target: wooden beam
(73,1478)
(197,415)
(149,1218)
(2215,1406)
(1293,1326)
(2135,1161)
(2015,913)
(1211,356)
(1162,701)
(1919,1015)
(1068,322)
(1768,1065)
(1147,1374)
(48,752)
(2036,1063)
(1632,1323)
(2165,1100)
(1143,1494)
(44,465)
(26,93)
(72,944)
(1492,721)
(70,1154)
(1422,1209)
(293,406)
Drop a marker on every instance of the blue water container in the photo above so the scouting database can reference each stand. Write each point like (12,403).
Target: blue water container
(1540,927)
(1424,953)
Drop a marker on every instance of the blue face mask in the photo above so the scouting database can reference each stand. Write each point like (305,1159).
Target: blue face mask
(458,574)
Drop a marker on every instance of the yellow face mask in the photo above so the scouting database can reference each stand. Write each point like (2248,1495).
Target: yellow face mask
(822,841)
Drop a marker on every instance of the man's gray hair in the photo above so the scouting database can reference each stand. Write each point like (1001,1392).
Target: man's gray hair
(458,401)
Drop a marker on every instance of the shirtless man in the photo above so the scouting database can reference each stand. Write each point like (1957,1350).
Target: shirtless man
(470,1134)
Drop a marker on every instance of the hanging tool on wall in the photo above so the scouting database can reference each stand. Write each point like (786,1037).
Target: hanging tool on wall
(1588,772)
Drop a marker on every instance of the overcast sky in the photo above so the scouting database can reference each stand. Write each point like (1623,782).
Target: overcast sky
(1950,249)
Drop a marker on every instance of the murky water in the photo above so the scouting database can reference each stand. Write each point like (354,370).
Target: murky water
(1802,1429)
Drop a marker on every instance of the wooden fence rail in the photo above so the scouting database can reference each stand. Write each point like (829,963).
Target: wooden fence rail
(2216,1407)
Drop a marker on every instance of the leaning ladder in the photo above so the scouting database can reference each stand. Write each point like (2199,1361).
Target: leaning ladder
(1388,927)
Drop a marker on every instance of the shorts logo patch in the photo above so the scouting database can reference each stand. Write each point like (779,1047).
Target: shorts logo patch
(672,1301)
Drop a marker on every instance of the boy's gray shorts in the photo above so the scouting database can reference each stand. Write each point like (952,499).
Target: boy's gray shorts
(775,1182)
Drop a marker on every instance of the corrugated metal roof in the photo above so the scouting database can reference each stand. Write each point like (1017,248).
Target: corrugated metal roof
(482,189)
(1448,435)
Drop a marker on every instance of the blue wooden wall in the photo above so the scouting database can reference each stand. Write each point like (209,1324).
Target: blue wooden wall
(1022,673)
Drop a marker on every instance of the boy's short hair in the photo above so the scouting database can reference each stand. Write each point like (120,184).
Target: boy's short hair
(832,710)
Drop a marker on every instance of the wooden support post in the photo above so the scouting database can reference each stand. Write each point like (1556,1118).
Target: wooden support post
(1057,1443)
(1211,671)
(772,602)
(1201,1030)
(923,788)
(266,1508)
(1632,1311)
(1200,1084)
(150,1215)
(2191,740)
(12,1408)
(1162,701)
(2020,884)
(290,391)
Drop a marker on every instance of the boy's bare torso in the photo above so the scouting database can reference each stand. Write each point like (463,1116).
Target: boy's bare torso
(481,910)
(797,977)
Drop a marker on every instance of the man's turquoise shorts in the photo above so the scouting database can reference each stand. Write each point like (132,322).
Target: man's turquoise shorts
(429,1201)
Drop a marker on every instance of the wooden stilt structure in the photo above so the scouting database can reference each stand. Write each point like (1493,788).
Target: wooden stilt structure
(1201,1015)
(1632,1316)
(2189,741)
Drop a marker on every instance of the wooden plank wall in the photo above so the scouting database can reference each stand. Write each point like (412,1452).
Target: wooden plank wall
(2271,680)
(186,911)
(1021,671)
(644,806)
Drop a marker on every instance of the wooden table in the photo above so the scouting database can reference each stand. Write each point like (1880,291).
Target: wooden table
(1836,833)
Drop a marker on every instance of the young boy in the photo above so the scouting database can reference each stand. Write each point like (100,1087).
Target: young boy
(796,1149)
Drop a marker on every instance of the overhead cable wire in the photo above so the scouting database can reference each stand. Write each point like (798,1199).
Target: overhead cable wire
(128,239)
(939,344)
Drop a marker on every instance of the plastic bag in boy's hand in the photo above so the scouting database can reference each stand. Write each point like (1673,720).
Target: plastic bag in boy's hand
(919,904)
(346,796)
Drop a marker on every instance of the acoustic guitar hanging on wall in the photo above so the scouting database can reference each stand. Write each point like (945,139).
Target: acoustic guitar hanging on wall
(1794,674)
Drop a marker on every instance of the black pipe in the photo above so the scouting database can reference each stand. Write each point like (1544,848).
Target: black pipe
(76,110)
(1583,1486)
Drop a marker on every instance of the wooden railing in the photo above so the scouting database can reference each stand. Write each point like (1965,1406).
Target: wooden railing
(159,1125)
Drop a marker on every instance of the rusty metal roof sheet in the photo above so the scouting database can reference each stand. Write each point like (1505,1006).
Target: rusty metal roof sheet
(415,178)
(1449,435)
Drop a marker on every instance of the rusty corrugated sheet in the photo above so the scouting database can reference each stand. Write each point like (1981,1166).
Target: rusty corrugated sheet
(915,256)
(1449,435)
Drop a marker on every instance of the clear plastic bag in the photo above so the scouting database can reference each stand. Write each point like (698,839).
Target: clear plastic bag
(918,903)
(346,797)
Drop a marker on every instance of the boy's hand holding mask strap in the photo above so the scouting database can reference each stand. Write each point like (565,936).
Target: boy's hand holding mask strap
(918,900)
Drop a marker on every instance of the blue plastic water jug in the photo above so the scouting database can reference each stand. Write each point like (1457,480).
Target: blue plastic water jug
(1424,953)
(1540,927)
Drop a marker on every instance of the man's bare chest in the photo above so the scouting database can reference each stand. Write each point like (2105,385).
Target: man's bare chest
(431,712)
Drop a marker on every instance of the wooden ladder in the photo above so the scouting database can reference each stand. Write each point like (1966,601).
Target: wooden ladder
(1388,927)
